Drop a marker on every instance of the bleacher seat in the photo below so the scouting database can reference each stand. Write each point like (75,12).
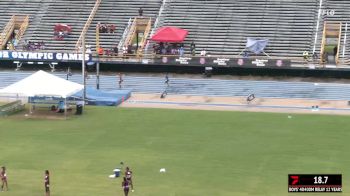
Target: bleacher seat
(219,26)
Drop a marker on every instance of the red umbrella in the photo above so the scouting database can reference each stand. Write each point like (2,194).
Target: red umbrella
(170,34)
(62,27)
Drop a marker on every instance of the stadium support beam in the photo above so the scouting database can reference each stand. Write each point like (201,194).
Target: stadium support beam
(317,26)
(346,31)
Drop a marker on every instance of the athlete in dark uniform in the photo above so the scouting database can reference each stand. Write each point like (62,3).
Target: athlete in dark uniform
(125,185)
(3,177)
(250,98)
(120,80)
(47,183)
(166,79)
(128,176)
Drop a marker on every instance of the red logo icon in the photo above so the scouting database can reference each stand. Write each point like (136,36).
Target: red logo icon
(295,179)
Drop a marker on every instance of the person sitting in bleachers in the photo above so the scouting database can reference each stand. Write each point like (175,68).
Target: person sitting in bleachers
(125,50)
(245,54)
(115,50)
(112,28)
(306,56)
(108,52)
(203,52)
(104,28)
(100,51)
(88,49)
(140,11)
(31,46)
(129,48)
(193,49)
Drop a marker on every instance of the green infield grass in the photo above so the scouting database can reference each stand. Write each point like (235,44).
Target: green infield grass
(205,153)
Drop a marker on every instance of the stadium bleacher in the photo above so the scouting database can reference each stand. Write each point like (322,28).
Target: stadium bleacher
(118,12)
(219,26)
(9,8)
(341,14)
(72,13)
(222,26)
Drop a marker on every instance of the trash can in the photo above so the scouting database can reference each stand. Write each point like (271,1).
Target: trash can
(79,109)
(117,172)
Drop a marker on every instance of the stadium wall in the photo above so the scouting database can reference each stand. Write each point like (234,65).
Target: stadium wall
(182,69)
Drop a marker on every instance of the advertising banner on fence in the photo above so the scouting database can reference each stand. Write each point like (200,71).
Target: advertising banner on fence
(224,62)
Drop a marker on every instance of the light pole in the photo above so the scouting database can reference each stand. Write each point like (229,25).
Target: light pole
(83,68)
(98,74)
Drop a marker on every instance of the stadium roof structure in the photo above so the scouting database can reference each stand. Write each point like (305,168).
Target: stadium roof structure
(42,84)
(170,34)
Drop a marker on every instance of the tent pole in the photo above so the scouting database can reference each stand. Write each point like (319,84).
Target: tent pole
(30,106)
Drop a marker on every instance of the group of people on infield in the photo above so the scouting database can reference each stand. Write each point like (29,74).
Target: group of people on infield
(126,184)
(5,187)
(4,183)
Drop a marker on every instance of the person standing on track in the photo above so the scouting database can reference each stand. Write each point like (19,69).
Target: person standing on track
(167,79)
(47,183)
(120,80)
(3,177)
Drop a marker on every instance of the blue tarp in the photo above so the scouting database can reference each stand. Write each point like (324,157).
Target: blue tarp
(103,98)
(256,45)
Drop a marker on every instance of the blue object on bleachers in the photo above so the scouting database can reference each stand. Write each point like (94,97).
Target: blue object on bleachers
(103,98)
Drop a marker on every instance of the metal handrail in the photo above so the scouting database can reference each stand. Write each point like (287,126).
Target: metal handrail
(156,22)
(87,24)
(125,33)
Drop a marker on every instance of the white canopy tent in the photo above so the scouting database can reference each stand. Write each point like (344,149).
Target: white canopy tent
(42,84)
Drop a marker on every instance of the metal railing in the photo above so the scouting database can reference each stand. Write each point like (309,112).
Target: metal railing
(88,23)
(23,28)
(156,22)
(6,33)
(125,33)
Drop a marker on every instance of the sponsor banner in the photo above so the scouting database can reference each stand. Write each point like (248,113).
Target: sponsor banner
(43,56)
(224,62)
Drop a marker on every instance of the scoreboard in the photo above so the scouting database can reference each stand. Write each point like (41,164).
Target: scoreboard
(314,183)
